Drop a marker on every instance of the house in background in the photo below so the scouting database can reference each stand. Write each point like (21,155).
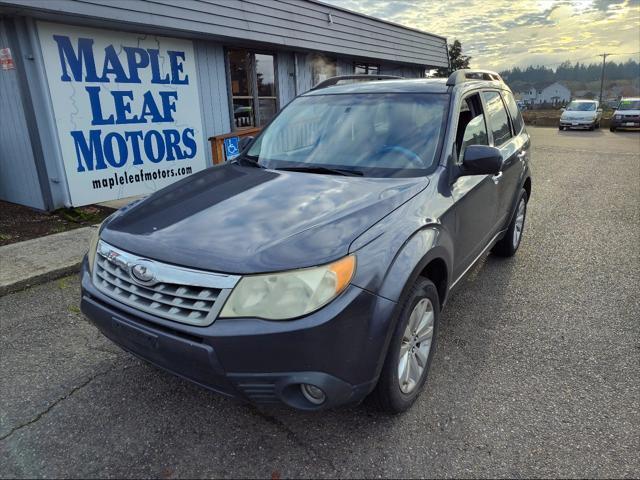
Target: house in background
(554,94)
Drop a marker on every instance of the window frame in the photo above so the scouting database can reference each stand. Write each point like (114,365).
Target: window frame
(457,160)
(367,66)
(503,94)
(253,85)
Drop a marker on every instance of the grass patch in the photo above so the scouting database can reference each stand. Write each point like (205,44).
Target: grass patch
(81,215)
(74,309)
(63,283)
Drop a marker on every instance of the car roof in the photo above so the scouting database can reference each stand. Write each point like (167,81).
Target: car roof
(412,85)
(635,99)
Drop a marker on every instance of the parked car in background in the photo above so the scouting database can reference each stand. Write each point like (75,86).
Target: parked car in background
(581,114)
(627,115)
(311,270)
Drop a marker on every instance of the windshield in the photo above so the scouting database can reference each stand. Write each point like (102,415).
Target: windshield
(629,105)
(382,134)
(581,107)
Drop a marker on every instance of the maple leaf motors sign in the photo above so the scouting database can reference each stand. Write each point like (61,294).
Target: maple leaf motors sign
(126,107)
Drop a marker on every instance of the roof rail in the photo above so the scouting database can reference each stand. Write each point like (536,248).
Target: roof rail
(466,74)
(365,78)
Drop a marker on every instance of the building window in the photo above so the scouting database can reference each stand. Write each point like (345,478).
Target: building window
(254,100)
(322,67)
(366,69)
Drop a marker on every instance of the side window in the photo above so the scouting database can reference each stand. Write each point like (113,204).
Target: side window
(472,129)
(514,111)
(497,116)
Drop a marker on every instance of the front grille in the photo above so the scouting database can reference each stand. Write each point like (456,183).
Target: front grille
(178,294)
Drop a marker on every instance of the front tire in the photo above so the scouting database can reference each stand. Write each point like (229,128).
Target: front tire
(508,245)
(406,366)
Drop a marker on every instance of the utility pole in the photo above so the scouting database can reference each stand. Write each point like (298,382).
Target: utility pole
(604,60)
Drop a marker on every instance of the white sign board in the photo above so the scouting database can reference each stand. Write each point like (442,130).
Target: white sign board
(127,110)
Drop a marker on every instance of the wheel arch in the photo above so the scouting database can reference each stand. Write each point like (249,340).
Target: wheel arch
(428,253)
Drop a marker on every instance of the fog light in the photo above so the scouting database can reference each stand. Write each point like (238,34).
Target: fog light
(312,393)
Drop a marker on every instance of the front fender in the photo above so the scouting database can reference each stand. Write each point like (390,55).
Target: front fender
(388,275)
(424,246)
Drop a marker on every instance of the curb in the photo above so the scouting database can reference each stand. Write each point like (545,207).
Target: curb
(39,260)
(38,279)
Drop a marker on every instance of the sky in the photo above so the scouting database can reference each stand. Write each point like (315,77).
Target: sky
(501,34)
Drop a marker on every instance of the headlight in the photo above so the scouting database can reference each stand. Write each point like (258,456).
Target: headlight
(618,117)
(280,296)
(93,245)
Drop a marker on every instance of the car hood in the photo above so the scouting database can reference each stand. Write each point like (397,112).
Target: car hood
(634,113)
(579,115)
(236,219)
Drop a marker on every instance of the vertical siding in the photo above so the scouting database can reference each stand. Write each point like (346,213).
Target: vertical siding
(18,176)
(286,74)
(304,77)
(345,66)
(212,85)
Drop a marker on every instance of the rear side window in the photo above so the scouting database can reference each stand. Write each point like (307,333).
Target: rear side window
(514,111)
(497,117)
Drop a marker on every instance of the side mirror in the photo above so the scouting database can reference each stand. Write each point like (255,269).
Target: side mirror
(244,142)
(481,160)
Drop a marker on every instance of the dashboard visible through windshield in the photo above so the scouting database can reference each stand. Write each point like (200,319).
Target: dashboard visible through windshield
(381,134)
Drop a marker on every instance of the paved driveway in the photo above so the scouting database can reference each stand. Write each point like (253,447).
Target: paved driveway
(537,371)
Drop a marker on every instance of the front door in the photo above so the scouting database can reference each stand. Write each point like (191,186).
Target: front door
(476,196)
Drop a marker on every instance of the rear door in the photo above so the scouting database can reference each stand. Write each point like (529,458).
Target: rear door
(513,152)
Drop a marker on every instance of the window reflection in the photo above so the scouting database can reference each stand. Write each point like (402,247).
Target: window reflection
(498,119)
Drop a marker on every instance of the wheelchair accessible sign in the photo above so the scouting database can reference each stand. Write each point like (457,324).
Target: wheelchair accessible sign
(231,148)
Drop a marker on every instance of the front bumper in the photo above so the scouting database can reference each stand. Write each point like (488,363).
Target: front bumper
(339,348)
(625,122)
(579,124)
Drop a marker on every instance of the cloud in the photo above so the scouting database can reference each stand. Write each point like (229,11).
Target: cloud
(500,34)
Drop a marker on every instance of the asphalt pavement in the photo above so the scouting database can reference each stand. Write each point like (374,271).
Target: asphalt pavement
(536,373)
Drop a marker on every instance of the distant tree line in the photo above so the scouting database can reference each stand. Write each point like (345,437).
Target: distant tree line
(572,72)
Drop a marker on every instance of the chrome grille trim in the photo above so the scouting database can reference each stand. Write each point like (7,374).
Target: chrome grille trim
(184,295)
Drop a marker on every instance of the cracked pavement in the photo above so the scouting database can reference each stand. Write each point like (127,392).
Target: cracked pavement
(536,372)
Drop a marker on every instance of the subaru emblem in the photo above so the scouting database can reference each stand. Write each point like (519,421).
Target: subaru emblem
(142,273)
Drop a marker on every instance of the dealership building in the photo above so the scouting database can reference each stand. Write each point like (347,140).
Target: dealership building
(107,100)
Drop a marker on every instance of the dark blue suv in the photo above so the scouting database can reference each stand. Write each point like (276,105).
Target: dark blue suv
(311,271)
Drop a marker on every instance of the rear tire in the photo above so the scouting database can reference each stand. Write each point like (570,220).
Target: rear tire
(508,245)
(395,395)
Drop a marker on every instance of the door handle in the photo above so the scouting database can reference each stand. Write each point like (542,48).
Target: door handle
(496,178)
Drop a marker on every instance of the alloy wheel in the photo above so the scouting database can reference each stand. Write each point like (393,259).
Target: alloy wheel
(517,231)
(415,346)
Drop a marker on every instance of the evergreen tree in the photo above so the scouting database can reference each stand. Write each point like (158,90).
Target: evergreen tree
(457,60)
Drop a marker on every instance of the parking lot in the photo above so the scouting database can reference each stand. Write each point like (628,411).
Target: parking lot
(536,372)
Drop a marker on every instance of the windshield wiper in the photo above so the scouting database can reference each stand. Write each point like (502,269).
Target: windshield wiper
(317,169)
